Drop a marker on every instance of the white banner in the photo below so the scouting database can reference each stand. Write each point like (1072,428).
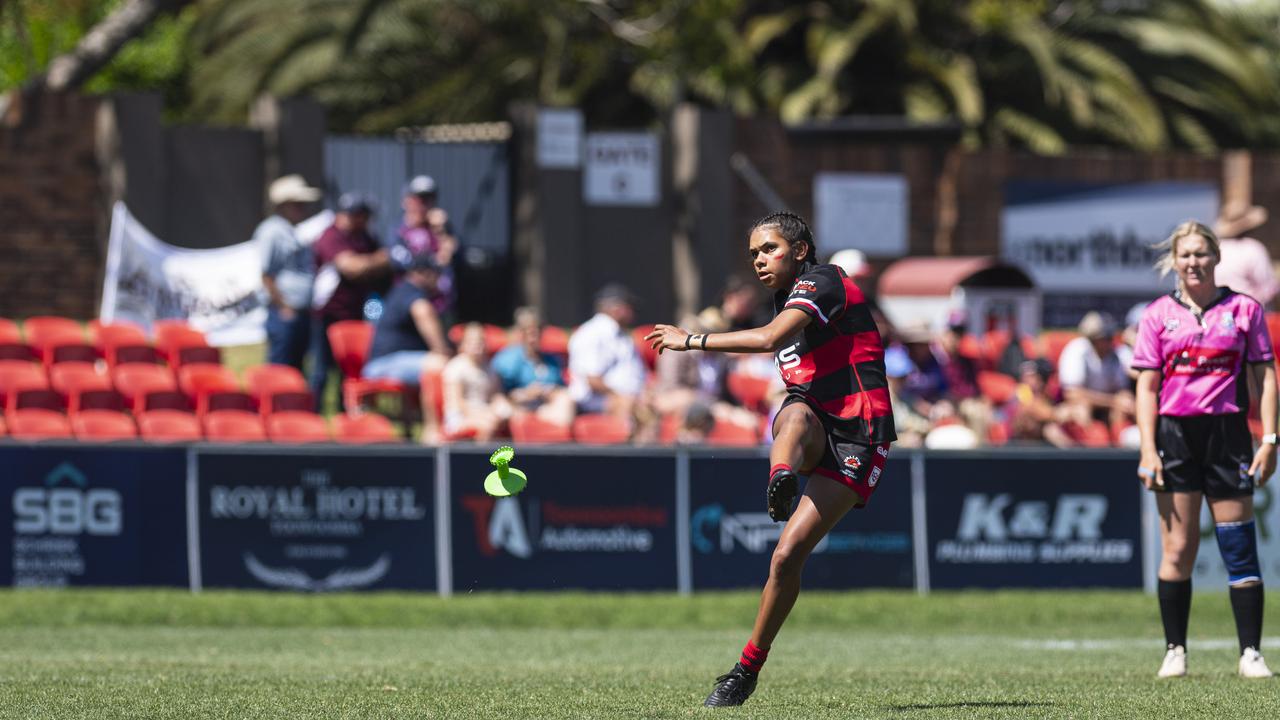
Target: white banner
(218,291)
(1081,238)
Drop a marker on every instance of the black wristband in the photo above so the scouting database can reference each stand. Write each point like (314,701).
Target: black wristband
(704,341)
(687,340)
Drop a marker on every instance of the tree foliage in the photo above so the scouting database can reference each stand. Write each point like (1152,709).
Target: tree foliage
(1037,74)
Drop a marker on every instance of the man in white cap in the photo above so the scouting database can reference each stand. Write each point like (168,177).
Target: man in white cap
(287,270)
(1244,264)
(426,230)
(1093,371)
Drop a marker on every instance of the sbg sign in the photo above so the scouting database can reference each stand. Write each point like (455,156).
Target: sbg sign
(72,510)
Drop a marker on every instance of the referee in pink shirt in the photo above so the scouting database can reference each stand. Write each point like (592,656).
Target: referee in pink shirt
(1193,349)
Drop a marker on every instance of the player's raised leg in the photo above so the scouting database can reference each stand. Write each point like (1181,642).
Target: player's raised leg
(1179,542)
(799,440)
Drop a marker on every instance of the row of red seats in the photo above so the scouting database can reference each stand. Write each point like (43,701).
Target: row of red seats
(79,385)
(178,426)
(51,340)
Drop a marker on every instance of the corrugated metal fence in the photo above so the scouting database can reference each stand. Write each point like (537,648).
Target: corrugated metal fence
(473,177)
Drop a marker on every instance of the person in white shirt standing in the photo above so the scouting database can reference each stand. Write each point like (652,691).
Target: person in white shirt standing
(287,270)
(607,372)
(1093,371)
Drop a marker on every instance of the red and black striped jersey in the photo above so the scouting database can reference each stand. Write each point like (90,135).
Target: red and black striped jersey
(837,362)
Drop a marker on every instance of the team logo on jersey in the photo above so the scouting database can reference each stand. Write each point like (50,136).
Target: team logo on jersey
(882,451)
(1228,321)
(853,461)
(805,286)
(1171,324)
(874,477)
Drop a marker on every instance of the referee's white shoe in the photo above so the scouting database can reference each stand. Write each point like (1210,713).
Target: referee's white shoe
(1252,665)
(1175,663)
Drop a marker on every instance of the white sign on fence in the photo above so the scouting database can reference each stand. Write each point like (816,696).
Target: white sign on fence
(865,211)
(1079,238)
(559,138)
(621,169)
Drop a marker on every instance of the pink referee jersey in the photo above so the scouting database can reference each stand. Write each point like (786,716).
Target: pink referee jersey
(1202,358)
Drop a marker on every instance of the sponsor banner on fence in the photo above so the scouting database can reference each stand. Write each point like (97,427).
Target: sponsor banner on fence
(218,291)
(593,522)
(92,516)
(1074,237)
(317,521)
(732,537)
(1046,521)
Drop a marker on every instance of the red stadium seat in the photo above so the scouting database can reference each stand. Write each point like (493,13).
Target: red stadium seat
(184,345)
(293,426)
(4,429)
(278,387)
(749,390)
(234,426)
(600,429)
(350,341)
(25,385)
(554,341)
(212,387)
(39,328)
(84,387)
(669,428)
(103,425)
(12,346)
(149,387)
(166,328)
(122,343)
(364,429)
(57,339)
(647,352)
(996,386)
(37,424)
(727,434)
(529,429)
(168,426)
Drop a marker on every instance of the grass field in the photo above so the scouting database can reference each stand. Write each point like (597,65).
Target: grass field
(159,654)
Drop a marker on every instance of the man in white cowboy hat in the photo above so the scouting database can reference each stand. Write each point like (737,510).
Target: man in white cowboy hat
(1245,264)
(287,269)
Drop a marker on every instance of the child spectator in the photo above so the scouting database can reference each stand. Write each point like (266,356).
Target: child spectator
(473,402)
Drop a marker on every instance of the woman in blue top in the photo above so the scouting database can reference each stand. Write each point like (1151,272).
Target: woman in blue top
(533,380)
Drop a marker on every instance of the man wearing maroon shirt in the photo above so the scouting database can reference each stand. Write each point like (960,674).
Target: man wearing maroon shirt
(350,264)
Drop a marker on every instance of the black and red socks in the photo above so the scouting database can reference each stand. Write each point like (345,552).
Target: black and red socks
(753,657)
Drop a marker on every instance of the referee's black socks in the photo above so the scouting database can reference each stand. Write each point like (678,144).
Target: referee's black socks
(1246,605)
(1175,609)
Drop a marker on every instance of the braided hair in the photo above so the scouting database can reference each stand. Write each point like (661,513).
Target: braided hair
(793,228)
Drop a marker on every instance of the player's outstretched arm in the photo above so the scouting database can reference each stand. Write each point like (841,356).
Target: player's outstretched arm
(769,338)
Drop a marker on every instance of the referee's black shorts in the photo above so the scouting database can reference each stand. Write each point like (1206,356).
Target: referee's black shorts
(1206,453)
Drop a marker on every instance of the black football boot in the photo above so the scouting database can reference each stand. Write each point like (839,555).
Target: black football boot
(732,688)
(783,486)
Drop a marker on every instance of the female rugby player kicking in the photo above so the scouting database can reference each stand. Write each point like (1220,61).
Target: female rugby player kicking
(1193,348)
(835,425)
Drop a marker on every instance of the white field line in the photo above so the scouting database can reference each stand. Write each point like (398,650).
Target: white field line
(1125,643)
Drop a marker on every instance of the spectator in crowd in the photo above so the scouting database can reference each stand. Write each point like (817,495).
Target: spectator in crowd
(696,424)
(287,270)
(409,338)
(607,372)
(926,383)
(741,305)
(473,401)
(533,380)
(1032,414)
(695,379)
(425,229)
(1245,265)
(1094,375)
(911,425)
(959,372)
(350,264)
(853,262)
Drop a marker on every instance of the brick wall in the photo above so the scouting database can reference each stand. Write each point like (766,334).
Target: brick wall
(52,214)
